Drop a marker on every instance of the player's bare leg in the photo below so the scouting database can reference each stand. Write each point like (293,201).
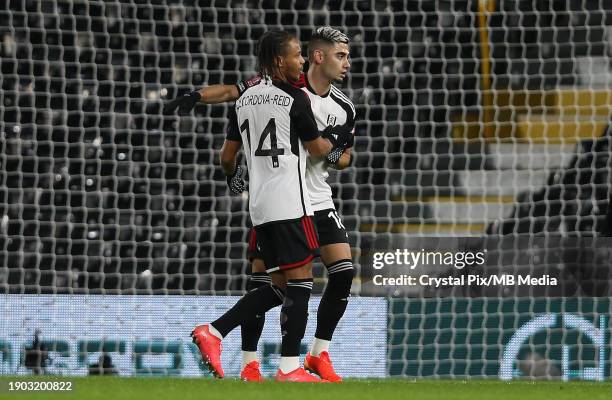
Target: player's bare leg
(337,259)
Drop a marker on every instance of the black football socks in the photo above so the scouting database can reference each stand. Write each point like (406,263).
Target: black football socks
(294,315)
(255,302)
(251,330)
(335,298)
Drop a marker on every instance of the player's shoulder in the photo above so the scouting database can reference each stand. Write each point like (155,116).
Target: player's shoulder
(339,94)
(299,97)
(300,83)
(341,98)
(290,88)
(249,83)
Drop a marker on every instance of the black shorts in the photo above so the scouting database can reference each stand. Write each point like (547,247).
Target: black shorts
(330,228)
(287,244)
(252,250)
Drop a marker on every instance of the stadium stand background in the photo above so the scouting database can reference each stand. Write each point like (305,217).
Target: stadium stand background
(101,193)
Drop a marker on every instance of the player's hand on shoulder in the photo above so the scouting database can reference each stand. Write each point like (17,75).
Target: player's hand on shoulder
(184,103)
(236,182)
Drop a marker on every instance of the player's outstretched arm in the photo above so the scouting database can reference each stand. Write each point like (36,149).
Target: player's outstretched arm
(218,94)
(209,95)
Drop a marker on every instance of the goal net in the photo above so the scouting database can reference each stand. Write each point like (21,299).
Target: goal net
(482,128)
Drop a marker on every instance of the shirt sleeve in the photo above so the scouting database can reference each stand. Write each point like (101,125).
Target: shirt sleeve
(233,132)
(242,86)
(303,119)
(349,125)
(351,122)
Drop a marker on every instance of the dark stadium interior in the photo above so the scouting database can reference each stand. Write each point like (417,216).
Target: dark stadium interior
(97,187)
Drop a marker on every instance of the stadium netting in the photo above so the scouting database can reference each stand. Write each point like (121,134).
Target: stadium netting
(480,119)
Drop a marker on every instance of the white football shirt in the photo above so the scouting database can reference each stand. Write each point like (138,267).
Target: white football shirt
(334,108)
(271,120)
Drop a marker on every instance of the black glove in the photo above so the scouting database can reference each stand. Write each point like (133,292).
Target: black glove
(185,103)
(339,135)
(236,182)
(334,156)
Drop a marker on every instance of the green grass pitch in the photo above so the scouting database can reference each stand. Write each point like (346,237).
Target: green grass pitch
(113,388)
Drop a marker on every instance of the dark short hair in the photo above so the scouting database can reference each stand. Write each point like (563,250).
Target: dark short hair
(325,35)
(270,46)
